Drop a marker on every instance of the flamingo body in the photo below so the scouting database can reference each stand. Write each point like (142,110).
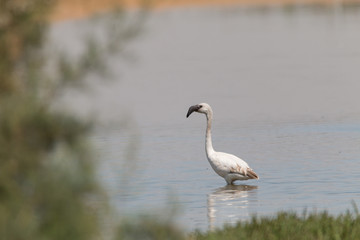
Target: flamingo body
(226,165)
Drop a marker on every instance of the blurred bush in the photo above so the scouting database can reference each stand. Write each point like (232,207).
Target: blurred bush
(48,188)
(148,227)
(47,185)
(47,182)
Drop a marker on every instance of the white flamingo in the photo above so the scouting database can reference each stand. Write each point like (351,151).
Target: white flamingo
(228,166)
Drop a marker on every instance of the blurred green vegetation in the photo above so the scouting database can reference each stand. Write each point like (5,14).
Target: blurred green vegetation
(47,184)
(287,225)
(148,227)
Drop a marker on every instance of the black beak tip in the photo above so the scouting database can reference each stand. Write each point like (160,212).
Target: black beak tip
(192,109)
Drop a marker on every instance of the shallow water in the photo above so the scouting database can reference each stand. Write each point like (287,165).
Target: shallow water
(301,166)
(284,90)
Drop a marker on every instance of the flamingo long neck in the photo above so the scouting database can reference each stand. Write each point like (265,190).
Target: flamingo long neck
(208,143)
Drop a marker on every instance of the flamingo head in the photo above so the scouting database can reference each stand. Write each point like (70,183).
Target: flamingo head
(200,108)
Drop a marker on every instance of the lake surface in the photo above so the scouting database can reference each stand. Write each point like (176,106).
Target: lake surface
(284,86)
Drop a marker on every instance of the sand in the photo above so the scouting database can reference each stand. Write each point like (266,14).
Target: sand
(73,9)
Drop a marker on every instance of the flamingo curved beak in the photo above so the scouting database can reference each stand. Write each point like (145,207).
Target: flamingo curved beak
(192,109)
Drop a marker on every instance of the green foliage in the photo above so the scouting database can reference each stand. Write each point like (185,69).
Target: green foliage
(46,174)
(48,188)
(287,225)
(149,228)
(22,25)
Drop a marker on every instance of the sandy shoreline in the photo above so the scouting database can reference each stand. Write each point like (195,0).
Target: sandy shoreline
(73,9)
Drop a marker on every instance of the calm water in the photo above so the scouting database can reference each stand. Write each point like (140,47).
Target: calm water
(311,165)
(284,87)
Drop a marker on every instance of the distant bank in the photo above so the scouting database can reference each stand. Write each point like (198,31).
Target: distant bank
(73,9)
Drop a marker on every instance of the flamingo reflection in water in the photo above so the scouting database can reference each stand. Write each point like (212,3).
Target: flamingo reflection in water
(230,203)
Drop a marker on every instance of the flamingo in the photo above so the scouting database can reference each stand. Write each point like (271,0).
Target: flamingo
(226,165)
